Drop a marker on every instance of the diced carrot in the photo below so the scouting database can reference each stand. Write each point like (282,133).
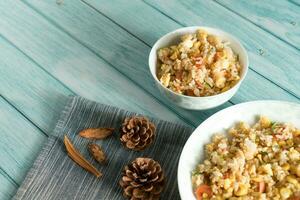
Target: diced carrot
(198,61)
(218,55)
(203,189)
(226,175)
(190,93)
(261,186)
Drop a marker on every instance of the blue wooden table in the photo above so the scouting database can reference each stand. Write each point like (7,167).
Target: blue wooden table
(99,49)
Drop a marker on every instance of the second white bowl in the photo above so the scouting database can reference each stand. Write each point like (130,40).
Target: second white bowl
(193,152)
(198,103)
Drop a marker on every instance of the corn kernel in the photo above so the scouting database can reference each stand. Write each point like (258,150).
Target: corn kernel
(264,122)
(285,193)
(259,157)
(233,132)
(292,180)
(242,190)
(174,56)
(197,45)
(218,197)
(297,132)
(290,142)
(257,179)
(267,169)
(296,170)
(209,147)
(201,34)
(282,143)
(286,166)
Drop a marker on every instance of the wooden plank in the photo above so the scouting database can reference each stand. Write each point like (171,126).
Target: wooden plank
(296,2)
(120,12)
(73,64)
(41,99)
(46,98)
(127,14)
(31,90)
(100,35)
(281,18)
(272,58)
(20,142)
(7,187)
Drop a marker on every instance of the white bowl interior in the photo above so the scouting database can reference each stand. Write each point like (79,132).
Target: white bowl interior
(193,151)
(174,38)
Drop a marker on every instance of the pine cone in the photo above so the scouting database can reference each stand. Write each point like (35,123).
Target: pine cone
(137,133)
(142,179)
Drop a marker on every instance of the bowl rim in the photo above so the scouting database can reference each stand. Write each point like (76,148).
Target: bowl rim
(191,137)
(195,28)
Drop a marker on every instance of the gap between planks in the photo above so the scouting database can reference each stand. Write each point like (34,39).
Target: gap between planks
(260,27)
(40,67)
(23,115)
(32,60)
(100,57)
(188,122)
(294,2)
(9,178)
(123,28)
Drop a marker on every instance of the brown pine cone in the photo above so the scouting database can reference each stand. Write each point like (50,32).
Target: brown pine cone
(137,133)
(142,179)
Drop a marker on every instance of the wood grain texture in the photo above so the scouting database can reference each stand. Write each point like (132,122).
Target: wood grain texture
(40,97)
(126,53)
(274,59)
(31,90)
(120,12)
(99,49)
(281,18)
(7,187)
(296,2)
(20,142)
(74,65)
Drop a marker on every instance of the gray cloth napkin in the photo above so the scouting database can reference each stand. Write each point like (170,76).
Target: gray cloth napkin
(55,176)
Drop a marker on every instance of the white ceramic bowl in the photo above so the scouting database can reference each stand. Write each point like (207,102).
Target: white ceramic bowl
(198,103)
(193,151)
